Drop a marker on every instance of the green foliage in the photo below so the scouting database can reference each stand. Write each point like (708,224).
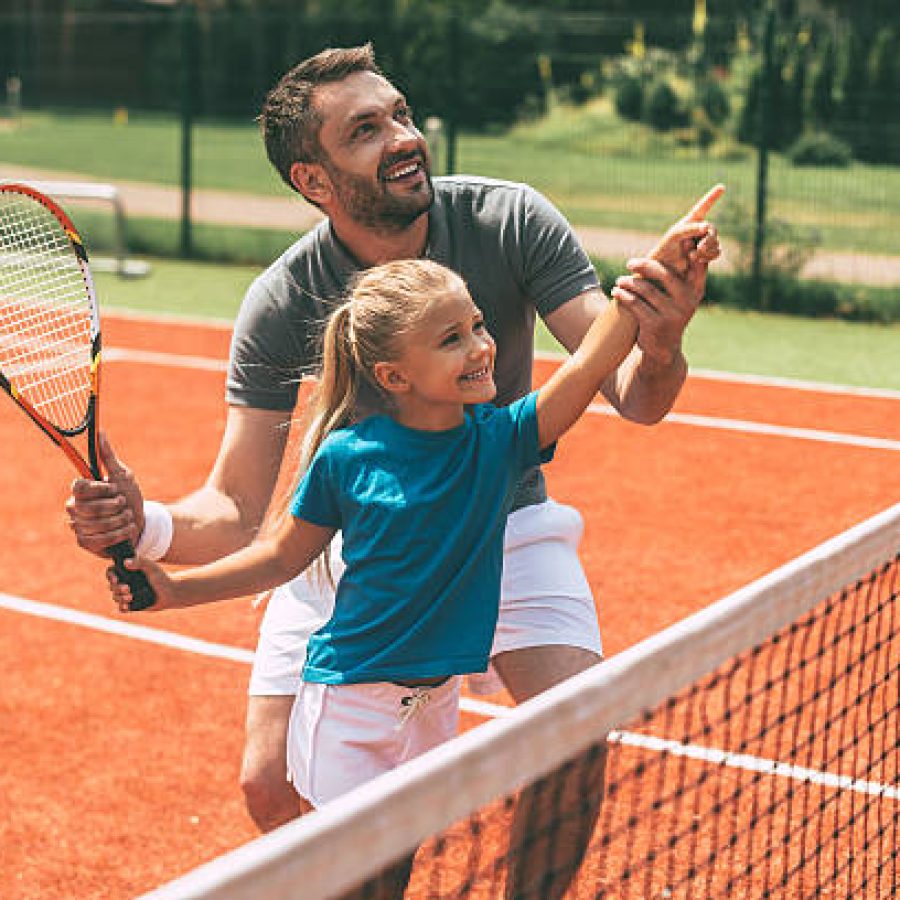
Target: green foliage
(846,87)
(851,87)
(811,298)
(785,251)
(748,125)
(629,98)
(868,114)
(880,139)
(817,148)
(712,98)
(790,118)
(822,102)
(664,110)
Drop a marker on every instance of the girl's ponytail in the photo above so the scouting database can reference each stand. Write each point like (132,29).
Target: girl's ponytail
(331,406)
(333,400)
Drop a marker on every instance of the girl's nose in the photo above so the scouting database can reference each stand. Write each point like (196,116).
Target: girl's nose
(480,344)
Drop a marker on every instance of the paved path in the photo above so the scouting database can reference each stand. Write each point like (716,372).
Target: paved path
(293,214)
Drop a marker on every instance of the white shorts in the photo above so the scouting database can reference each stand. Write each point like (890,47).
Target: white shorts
(343,735)
(545,599)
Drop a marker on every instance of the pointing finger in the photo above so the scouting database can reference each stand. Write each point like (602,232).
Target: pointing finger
(700,209)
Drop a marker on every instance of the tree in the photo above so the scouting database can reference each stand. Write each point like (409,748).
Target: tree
(822,106)
(852,78)
(880,120)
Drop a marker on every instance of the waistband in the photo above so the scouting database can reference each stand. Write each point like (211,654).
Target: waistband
(423,682)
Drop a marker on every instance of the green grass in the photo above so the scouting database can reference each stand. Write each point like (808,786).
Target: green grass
(728,340)
(824,350)
(184,288)
(147,148)
(600,170)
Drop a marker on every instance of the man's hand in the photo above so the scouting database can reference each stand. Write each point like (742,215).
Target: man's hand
(663,304)
(103,513)
(665,289)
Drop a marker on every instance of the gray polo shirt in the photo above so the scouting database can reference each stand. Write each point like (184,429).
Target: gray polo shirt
(512,247)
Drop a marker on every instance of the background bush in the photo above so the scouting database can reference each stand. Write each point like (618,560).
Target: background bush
(820,149)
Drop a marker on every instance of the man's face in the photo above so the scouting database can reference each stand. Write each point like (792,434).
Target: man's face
(375,157)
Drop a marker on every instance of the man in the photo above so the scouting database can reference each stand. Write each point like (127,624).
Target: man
(342,135)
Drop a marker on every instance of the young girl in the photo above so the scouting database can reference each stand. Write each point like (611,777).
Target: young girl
(420,490)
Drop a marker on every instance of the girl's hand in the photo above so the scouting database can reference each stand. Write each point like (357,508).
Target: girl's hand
(164,587)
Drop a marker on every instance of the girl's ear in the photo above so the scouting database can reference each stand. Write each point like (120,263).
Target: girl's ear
(312,181)
(391,378)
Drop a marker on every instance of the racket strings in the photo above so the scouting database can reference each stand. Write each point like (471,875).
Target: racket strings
(45,316)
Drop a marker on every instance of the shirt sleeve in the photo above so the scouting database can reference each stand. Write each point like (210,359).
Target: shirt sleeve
(268,356)
(556,267)
(523,414)
(316,497)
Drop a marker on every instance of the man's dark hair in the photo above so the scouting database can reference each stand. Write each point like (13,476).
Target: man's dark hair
(289,121)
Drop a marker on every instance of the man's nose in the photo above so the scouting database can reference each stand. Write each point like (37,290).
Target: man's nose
(404,135)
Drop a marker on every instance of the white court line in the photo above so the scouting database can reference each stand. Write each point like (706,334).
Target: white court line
(150,357)
(156,358)
(710,755)
(754,764)
(124,629)
(746,427)
(794,384)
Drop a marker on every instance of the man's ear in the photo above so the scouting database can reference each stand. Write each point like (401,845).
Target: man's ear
(391,378)
(312,181)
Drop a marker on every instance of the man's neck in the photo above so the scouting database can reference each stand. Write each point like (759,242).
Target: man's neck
(372,247)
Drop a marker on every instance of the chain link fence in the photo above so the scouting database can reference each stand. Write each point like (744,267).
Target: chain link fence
(621,120)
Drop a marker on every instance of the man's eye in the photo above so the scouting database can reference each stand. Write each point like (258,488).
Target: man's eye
(363,130)
(449,340)
(478,326)
(404,114)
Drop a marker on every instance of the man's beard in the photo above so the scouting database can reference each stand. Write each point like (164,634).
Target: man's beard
(370,204)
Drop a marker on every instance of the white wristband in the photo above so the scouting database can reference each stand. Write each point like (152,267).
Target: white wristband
(156,538)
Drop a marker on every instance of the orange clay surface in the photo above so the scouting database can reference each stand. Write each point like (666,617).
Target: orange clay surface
(120,757)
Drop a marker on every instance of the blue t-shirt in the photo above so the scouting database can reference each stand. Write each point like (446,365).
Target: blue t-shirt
(423,515)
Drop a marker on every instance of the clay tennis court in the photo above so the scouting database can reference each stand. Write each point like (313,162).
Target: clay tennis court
(121,747)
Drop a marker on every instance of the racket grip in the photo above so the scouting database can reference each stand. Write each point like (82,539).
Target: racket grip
(142,595)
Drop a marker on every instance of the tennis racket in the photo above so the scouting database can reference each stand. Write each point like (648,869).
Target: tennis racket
(50,338)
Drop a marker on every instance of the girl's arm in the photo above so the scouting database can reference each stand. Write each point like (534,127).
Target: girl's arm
(264,564)
(565,397)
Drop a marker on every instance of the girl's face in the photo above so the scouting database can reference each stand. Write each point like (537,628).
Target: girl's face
(446,362)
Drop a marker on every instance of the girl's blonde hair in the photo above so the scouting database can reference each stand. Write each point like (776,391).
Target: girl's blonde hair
(383,306)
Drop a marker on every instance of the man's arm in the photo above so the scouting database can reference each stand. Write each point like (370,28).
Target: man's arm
(227,512)
(220,517)
(644,388)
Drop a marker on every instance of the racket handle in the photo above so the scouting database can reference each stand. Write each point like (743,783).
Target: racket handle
(142,595)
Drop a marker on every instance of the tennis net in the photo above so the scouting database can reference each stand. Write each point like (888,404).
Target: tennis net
(752,750)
